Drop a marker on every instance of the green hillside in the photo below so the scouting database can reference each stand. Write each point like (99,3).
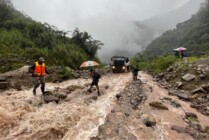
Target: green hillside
(192,34)
(24,40)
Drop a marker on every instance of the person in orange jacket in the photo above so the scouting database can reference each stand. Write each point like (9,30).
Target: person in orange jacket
(39,71)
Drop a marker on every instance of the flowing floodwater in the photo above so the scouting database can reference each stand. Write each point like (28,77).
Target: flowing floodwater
(22,117)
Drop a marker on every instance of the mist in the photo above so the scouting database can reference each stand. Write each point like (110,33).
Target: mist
(116,23)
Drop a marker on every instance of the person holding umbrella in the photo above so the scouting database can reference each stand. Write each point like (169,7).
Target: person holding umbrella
(95,80)
(95,76)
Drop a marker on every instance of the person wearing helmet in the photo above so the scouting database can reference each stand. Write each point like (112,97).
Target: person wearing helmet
(39,71)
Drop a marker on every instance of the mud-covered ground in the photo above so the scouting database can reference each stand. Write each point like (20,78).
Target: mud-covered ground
(127,109)
(145,111)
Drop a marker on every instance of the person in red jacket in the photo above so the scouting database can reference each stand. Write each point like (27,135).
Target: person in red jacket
(39,71)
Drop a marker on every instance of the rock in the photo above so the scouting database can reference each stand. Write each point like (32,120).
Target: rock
(76,75)
(202,76)
(2,79)
(95,98)
(161,75)
(178,129)
(182,95)
(37,103)
(175,104)
(61,95)
(4,85)
(167,98)
(48,93)
(148,120)
(198,90)
(195,96)
(205,87)
(158,105)
(190,114)
(172,92)
(50,98)
(170,69)
(188,77)
(179,84)
(206,130)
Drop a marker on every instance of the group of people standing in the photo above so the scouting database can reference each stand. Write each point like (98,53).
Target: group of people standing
(39,71)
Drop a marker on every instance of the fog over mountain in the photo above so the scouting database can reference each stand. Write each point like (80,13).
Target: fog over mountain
(125,27)
(170,19)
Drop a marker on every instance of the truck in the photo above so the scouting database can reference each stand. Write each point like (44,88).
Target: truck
(119,64)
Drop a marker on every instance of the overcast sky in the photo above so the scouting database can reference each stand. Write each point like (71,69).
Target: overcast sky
(68,14)
(105,20)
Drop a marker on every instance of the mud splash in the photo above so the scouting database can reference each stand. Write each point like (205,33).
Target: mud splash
(22,117)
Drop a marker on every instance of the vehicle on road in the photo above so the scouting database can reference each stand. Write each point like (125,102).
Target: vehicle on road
(119,64)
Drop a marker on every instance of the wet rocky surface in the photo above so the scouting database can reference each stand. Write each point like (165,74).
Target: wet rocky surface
(164,108)
(189,82)
(126,109)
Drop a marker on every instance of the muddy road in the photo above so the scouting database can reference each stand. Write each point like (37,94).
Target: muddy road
(78,117)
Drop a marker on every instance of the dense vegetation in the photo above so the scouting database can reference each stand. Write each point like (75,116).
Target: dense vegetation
(192,34)
(161,63)
(22,40)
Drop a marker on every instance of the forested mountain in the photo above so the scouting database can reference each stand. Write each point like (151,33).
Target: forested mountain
(169,20)
(192,34)
(23,39)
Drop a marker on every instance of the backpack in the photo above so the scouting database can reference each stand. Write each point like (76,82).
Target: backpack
(97,75)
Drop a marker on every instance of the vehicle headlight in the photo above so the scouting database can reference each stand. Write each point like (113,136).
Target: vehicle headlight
(113,67)
(124,67)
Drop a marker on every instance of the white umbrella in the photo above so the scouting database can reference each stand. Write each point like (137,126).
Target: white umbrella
(89,64)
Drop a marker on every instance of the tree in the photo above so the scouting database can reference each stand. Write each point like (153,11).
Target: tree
(86,42)
(5,13)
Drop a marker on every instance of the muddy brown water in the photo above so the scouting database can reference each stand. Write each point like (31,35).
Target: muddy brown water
(77,120)
(72,120)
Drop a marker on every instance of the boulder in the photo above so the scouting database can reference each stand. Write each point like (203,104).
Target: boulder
(50,98)
(188,77)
